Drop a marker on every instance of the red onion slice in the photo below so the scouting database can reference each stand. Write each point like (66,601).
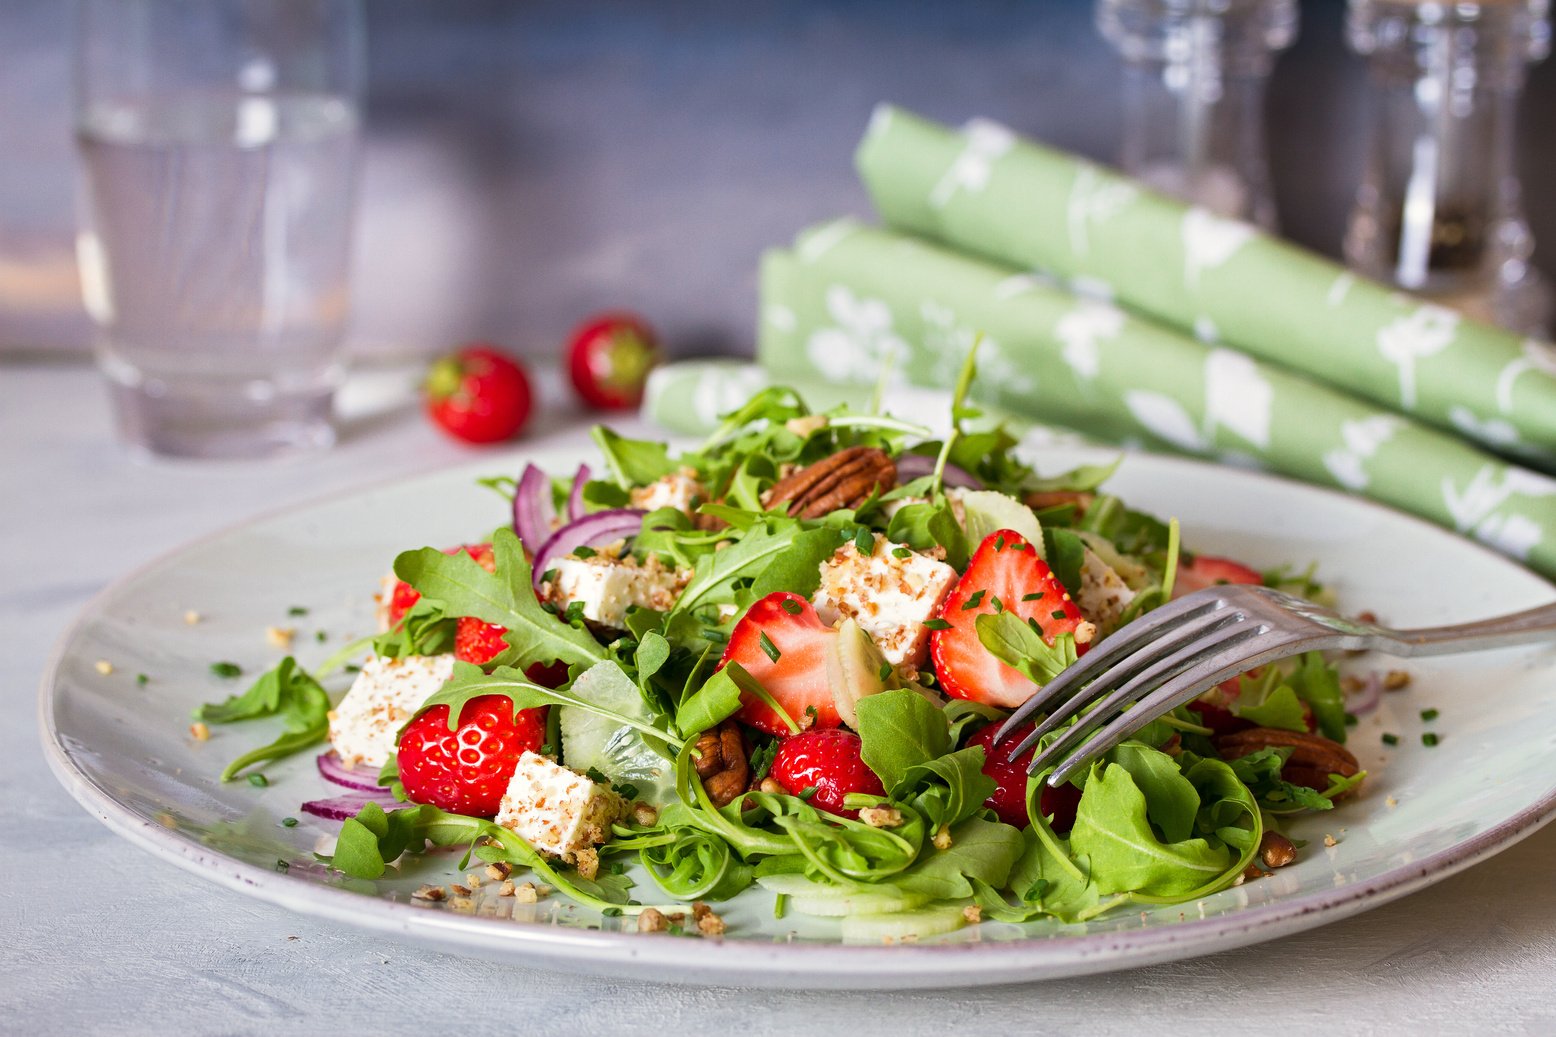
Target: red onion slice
(596,530)
(533,513)
(575,501)
(1366,699)
(913,466)
(363,779)
(350,805)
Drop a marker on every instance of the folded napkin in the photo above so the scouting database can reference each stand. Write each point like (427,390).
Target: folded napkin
(984,191)
(849,299)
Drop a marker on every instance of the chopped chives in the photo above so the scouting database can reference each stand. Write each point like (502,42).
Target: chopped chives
(767,646)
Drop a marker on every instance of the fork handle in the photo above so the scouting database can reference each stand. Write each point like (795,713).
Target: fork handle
(1518,628)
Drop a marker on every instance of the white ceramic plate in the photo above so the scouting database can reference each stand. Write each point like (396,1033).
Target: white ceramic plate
(124,751)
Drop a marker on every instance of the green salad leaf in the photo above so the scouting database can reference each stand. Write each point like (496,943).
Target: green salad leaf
(900,730)
(633,462)
(505,598)
(1017,644)
(287,692)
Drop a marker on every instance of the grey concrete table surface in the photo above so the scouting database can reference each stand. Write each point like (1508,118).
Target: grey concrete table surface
(97,937)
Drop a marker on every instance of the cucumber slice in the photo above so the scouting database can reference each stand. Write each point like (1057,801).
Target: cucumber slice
(828,900)
(884,902)
(928,921)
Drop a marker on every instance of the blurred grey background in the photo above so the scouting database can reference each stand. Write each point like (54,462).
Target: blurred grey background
(533,160)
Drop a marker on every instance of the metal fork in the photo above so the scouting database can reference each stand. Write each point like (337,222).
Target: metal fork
(1175,653)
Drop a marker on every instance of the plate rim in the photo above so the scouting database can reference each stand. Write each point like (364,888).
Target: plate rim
(744,961)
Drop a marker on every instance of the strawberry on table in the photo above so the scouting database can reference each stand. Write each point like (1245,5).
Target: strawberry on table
(1004,573)
(1197,572)
(467,770)
(1010,781)
(478,394)
(783,644)
(827,762)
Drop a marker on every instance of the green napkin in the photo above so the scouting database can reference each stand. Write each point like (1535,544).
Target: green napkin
(849,299)
(984,191)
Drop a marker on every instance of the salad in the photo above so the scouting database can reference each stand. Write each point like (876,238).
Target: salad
(780,660)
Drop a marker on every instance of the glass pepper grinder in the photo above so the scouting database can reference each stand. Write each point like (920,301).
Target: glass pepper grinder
(1194,82)
(1438,211)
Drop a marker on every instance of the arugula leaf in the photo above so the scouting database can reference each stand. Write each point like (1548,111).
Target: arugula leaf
(709,706)
(1171,801)
(1269,702)
(633,462)
(1112,829)
(925,526)
(900,730)
(599,494)
(981,850)
(505,598)
(288,692)
(470,681)
(1066,556)
(1049,879)
(950,788)
(1317,683)
(964,713)
(1014,643)
(713,582)
(797,569)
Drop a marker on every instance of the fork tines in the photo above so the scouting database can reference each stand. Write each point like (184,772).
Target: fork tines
(1152,665)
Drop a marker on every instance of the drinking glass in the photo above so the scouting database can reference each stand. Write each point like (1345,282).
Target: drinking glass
(219,142)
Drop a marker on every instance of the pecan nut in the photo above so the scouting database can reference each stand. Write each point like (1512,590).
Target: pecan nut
(1313,757)
(845,480)
(722,765)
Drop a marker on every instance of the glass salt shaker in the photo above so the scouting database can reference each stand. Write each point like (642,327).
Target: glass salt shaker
(1438,212)
(1194,82)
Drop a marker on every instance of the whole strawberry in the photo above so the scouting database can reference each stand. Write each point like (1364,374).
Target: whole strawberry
(478,394)
(1010,781)
(826,761)
(467,770)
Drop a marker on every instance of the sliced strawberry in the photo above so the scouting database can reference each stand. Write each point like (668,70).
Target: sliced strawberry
(1200,571)
(1004,568)
(1010,781)
(782,643)
(467,770)
(403,596)
(828,764)
(479,642)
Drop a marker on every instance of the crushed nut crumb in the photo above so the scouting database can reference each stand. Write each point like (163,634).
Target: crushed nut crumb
(103,666)
(700,908)
(1395,679)
(942,839)
(1253,871)
(645,815)
(1352,685)
(710,924)
(280,637)
(199,730)
(473,880)
(192,617)
(464,904)
(526,893)
(587,861)
(1391,802)
(651,920)
(973,913)
(771,787)
(459,890)
(433,893)
(1330,840)
(499,870)
(506,889)
(881,817)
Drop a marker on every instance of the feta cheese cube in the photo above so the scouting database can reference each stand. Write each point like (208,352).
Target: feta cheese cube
(891,598)
(1103,594)
(557,810)
(679,490)
(383,697)
(605,586)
